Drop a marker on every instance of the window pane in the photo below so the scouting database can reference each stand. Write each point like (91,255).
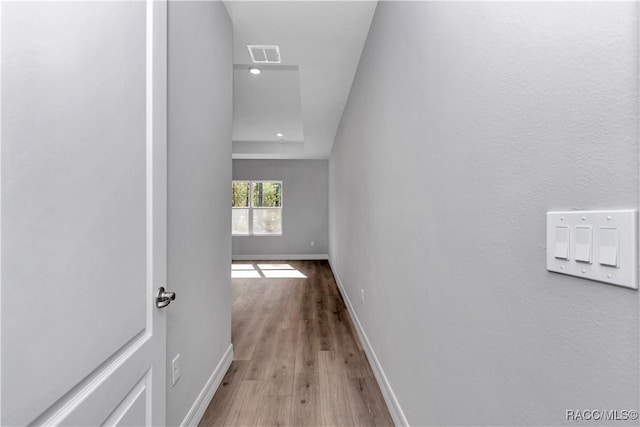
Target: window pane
(239,221)
(267,221)
(267,194)
(240,194)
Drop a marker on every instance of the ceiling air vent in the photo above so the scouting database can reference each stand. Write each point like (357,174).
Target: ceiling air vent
(264,54)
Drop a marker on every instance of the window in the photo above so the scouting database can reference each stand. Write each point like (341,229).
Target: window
(256,208)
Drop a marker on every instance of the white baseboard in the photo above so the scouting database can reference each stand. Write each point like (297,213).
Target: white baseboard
(389,396)
(196,412)
(293,257)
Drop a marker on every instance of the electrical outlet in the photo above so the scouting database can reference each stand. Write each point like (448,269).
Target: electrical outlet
(313,243)
(362,296)
(175,366)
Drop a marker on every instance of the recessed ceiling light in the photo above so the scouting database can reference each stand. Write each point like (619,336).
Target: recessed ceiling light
(255,70)
(280,134)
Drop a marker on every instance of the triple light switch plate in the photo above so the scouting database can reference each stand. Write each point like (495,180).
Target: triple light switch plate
(594,245)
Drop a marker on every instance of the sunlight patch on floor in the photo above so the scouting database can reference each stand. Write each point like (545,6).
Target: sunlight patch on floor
(275,267)
(242,267)
(267,271)
(283,274)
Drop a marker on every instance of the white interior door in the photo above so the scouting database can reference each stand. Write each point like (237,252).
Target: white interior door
(83,216)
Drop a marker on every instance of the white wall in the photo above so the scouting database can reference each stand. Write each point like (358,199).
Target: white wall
(305,216)
(199,253)
(465,124)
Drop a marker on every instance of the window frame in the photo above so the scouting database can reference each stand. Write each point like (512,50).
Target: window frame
(251,207)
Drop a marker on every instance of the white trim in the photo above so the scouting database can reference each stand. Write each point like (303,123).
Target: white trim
(196,412)
(149,140)
(284,257)
(0,201)
(387,392)
(273,156)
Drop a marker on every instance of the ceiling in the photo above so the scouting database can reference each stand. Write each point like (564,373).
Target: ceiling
(302,97)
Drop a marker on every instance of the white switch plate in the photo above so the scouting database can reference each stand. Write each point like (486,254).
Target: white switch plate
(175,370)
(624,221)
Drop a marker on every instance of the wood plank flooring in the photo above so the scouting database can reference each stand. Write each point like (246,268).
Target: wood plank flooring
(296,361)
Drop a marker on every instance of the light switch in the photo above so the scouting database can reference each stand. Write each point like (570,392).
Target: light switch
(583,244)
(562,243)
(597,245)
(609,246)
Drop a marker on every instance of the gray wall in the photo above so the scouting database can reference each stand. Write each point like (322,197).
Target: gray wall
(465,124)
(200,103)
(305,215)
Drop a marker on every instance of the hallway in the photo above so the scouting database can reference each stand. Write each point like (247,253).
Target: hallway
(296,357)
(468,173)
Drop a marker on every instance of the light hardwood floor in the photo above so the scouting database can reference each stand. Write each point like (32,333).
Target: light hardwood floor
(296,358)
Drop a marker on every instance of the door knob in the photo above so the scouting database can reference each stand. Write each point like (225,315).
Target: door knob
(164,298)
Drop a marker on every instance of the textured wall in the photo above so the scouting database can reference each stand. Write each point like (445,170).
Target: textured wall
(305,217)
(200,105)
(465,124)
